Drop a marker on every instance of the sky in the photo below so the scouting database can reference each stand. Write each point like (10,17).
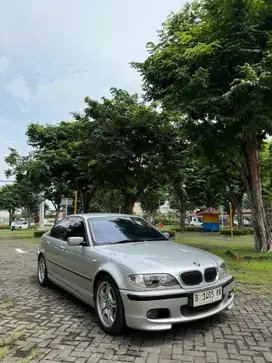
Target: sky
(53,53)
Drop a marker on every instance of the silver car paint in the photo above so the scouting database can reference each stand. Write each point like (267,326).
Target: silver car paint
(76,268)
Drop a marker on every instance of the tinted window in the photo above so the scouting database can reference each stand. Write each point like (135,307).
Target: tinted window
(122,229)
(77,228)
(61,230)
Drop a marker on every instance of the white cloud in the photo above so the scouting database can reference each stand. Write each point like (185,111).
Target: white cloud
(4,63)
(19,89)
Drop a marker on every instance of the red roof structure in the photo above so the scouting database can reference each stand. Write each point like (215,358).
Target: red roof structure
(210,210)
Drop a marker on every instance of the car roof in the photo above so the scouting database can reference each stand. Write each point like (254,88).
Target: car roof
(94,215)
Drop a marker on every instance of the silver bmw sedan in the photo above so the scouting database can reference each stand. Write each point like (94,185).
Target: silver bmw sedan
(132,273)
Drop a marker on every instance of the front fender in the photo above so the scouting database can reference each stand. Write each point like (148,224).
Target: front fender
(118,272)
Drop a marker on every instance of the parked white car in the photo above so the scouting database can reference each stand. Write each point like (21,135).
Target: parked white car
(19,225)
(245,221)
(196,224)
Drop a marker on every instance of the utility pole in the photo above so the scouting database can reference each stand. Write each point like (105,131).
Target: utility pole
(75,202)
(231,224)
(222,217)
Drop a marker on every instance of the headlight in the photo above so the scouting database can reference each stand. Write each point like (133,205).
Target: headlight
(153,280)
(223,270)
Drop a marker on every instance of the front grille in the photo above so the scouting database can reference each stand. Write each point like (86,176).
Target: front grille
(192,278)
(210,274)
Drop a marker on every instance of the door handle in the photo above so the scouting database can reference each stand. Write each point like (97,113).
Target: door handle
(62,248)
(48,243)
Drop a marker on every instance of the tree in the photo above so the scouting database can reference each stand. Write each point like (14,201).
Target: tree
(9,199)
(127,141)
(107,200)
(266,163)
(152,198)
(213,64)
(28,191)
(60,149)
(55,191)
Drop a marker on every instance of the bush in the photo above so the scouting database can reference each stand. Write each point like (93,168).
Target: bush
(172,234)
(38,234)
(238,232)
(4,227)
(166,221)
(188,229)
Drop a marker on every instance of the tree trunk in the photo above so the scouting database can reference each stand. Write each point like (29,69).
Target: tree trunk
(84,200)
(252,178)
(238,207)
(129,206)
(181,199)
(268,213)
(10,217)
(57,215)
(129,202)
(233,211)
(240,216)
(182,216)
(28,217)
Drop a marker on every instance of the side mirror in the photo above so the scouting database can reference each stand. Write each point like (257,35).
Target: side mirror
(167,234)
(75,241)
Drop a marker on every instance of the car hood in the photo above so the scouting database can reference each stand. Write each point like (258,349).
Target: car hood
(160,256)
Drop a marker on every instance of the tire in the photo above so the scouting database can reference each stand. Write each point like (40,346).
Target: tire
(42,276)
(112,321)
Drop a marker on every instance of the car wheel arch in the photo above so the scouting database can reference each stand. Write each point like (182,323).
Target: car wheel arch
(103,273)
(40,255)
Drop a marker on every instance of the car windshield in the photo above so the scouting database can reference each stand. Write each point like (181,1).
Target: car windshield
(123,229)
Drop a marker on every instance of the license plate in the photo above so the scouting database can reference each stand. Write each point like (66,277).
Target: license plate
(207,297)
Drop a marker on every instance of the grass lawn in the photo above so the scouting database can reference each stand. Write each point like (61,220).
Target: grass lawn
(19,241)
(8,234)
(247,272)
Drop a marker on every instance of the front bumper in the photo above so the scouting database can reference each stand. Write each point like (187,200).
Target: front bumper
(137,305)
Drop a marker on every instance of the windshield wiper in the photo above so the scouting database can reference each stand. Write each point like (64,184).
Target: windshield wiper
(128,241)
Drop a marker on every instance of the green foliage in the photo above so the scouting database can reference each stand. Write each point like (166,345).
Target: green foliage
(212,64)
(28,190)
(115,148)
(212,58)
(165,221)
(266,164)
(192,229)
(62,163)
(152,198)
(238,232)
(9,199)
(38,234)
(128,142)
(107,200)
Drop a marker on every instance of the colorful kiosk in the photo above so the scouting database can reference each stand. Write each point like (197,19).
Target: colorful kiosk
(210,220)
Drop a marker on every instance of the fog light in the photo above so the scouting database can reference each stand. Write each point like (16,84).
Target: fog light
(158,314)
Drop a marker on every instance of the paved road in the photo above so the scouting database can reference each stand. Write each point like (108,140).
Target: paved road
(59,328)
